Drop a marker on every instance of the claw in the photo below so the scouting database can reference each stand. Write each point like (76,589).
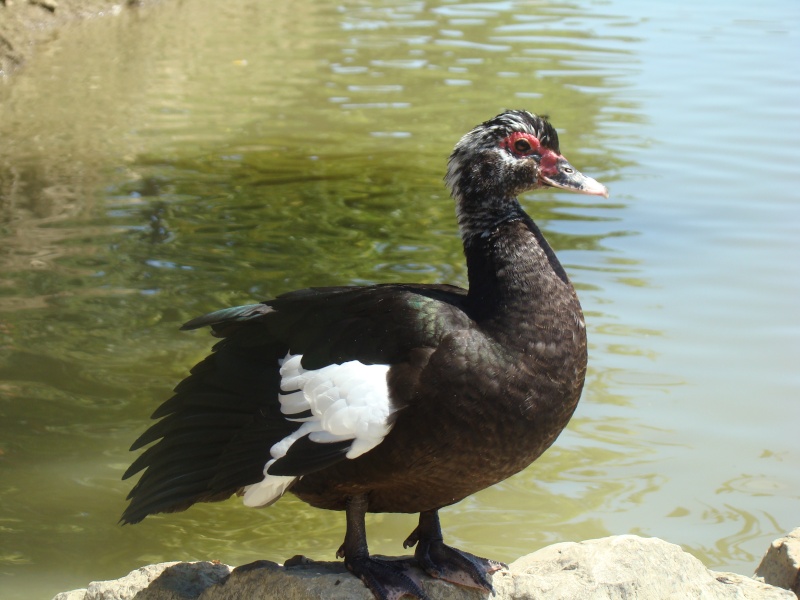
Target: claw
(412,539)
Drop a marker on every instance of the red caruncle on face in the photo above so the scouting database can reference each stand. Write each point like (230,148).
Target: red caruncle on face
(522,144)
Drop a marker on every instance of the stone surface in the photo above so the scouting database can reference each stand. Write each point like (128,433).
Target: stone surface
(164,581)
(623,567)
(629,567)
(781,564)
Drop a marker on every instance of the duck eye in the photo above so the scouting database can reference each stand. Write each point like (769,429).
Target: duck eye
(522,146)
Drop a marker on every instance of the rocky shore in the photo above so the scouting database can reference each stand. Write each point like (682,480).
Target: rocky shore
(26,24)
(619,568)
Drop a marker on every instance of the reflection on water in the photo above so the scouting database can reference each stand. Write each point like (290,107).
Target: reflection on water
(190,157)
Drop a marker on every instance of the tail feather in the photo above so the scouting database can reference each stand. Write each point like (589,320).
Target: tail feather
(199,424)
(214,435)
(235,314)
(174,453)
(204,400)
(169,482)
(177,494)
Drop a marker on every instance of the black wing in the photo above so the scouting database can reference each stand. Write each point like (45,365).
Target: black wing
(214,435)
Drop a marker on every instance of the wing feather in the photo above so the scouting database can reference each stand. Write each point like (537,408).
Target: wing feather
(215,435)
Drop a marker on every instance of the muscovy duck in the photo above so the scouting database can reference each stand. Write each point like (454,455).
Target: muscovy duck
(391,398)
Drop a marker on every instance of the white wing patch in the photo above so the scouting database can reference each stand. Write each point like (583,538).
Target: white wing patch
(349,401)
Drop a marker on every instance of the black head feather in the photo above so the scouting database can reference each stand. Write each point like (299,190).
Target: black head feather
(488,134)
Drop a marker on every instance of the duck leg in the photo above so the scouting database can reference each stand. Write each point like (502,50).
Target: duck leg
(444,562)
(387,580)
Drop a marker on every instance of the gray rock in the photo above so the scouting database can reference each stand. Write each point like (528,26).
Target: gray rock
(163,581)
(781,564)
(628,567)
(623,567)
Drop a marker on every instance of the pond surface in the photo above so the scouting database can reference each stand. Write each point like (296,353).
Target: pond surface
(164,163)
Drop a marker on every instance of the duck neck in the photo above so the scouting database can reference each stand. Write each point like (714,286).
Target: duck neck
(512,269)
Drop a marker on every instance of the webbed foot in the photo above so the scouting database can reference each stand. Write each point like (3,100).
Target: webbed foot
(445,562)
(386,579)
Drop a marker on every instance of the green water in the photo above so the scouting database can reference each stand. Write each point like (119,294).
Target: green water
(200,154)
